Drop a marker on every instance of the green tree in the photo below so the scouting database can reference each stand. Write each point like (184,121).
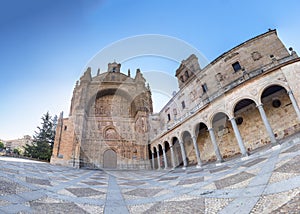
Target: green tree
(16,151)
(43,140)
(1,145)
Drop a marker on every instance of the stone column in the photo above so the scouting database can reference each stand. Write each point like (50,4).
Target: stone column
(158,159)
(214,142)
(199,163)
(172,156)
(267,124)
(153,163)
(238,136)
(165,158)
(294,102)
(183,154)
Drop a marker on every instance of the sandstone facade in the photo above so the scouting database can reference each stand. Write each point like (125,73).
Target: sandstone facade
(108,122)
(245,99)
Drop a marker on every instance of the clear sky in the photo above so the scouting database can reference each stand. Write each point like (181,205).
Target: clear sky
(46,44)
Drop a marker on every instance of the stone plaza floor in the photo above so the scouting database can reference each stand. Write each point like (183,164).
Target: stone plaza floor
(267,181)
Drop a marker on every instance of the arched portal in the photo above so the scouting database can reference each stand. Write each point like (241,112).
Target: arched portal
(168,154)
(225,135)
(250,124)
(155,158)
(161,157)
(177,152)
(205,145)
(110,159)
(189,148)
(279,111)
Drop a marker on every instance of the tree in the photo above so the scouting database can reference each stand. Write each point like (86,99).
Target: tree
(43,140)
(17,151)
(1,145)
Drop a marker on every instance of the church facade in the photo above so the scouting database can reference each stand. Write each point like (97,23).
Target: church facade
(245,99)
(108,122)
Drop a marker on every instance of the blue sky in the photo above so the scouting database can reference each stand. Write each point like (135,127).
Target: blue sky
(46,44)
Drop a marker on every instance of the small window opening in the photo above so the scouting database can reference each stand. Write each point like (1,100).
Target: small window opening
(183,104)
(204,88)
(181,78)
(65,128)
(236,66)
(169,117)
(186,74)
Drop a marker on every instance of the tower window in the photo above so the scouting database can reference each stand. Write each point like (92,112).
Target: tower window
(114,69)
(204,88)
(183,104)
(181,78)
(236,66)
(186,73)
(169,117)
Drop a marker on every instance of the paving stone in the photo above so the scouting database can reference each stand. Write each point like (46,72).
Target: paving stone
(8,187)
(84,192)
(291,166)
(47,208)
(292,206)
(133,183)
(231,188)
(191,181)
(188,206)
(93,183)
(219,169)
(143,192)
(254,162)
(194,171)
(12,171)
(38,181)
(233,179)
(292,149)
(168,178)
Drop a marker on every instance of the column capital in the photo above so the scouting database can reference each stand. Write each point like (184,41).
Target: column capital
(259,105)
(180,142)
(211,128)
(290,92)
(233,118)
(194,137)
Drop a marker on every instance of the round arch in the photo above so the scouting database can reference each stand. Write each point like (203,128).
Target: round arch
(213,115)
(110,91)
(110,159)
(177,151)
(234,105)
(265,87)
(168,153)
(196,127)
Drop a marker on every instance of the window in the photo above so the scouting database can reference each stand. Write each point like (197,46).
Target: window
(204,88)
(169,117)
(276,103)
(236,66)
(183,104)
(114,69)
(65,128)
(181,78)
(186,73)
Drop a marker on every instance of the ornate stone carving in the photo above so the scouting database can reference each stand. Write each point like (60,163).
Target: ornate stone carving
(256,55)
